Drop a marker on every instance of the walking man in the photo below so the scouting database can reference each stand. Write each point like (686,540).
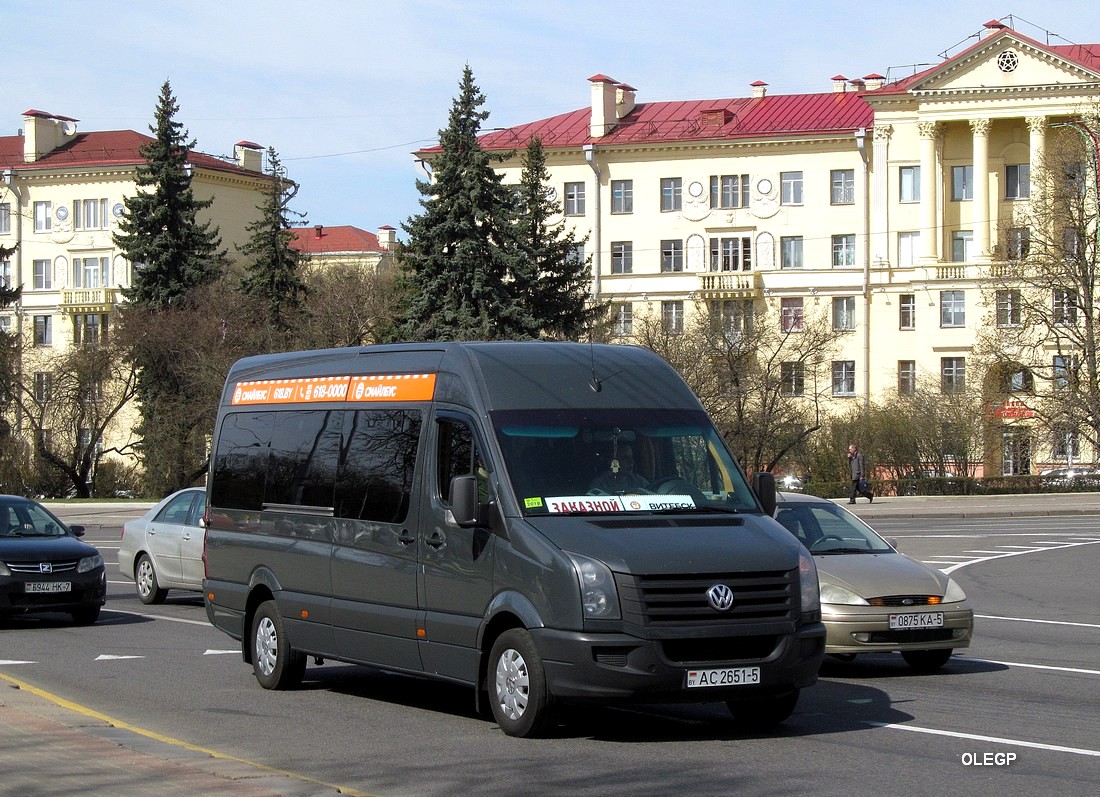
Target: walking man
(858,471)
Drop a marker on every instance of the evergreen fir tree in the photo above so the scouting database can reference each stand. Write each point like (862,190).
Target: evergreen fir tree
(9,348)
(458,262)
(550,278)
(273,270)
(160,234)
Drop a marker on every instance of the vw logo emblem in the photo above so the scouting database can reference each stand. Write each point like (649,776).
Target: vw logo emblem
(45,567)
(720,597)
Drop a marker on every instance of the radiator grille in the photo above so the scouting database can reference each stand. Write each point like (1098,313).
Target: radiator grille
(677,600)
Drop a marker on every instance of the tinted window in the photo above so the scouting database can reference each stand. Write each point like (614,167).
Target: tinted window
(377,464)
(302,459)
(240,463)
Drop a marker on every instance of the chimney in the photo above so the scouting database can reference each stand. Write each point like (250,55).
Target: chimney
(759,89)
(874,82)
(993,27)
(387,237)
(318,230)
(44,132)
(604,94)
(857,84)
(624,99)
(249,156)
(840,83)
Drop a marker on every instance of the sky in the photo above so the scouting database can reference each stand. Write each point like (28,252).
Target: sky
(346,90)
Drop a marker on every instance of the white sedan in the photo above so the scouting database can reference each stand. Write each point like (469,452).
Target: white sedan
(162,549)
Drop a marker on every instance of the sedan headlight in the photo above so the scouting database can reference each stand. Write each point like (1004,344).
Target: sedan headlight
(599,597)
(89,563)
(954,592)
(831,593)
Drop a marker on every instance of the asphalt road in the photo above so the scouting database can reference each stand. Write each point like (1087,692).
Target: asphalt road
(1016,713)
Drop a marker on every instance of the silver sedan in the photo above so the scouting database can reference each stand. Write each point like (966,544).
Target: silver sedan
(162,549)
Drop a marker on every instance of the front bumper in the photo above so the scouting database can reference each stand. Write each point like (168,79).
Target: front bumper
(866,629)
(87,590)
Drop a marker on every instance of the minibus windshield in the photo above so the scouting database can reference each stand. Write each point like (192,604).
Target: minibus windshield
(574,461)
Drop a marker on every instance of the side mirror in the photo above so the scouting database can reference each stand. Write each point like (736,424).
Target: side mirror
(78,531)
(763,484)
(464,506)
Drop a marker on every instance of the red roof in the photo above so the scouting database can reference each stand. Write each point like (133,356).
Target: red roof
(331,240)
(106,148)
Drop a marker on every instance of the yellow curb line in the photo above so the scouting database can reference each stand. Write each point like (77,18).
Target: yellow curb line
(88,712)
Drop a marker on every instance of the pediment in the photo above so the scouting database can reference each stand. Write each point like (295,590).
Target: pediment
(1003,62)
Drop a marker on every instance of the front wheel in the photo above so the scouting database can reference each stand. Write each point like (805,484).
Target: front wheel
(926,660)
(148,586)
(277,665)
(763,712)
(518,693)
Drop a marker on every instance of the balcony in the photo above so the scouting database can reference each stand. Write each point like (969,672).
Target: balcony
(727,285)
(76,301)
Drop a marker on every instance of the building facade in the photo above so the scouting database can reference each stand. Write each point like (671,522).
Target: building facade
(887,204)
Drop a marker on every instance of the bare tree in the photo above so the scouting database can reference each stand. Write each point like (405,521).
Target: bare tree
(349,304)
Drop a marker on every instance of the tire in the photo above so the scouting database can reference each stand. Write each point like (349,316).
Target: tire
(518,693)
(763,712)
(145,579)
(276,664)
(86,615)
(926,660)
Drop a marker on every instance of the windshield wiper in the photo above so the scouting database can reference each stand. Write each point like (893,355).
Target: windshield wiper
(843,550)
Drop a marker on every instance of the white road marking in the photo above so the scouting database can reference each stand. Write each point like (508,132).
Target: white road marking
(1077,670)
(996,739)
(219,652)
(954,567)
(163,617)
(110,657)
(4,662)
(1045,622)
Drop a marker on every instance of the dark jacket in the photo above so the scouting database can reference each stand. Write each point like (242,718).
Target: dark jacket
(856,465)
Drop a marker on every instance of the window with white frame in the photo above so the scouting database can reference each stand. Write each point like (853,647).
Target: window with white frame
(907,311)
(90,214)
(844,313)
(909,180)
(672,256)
(622,257)
(1065,306)
(790,188)
(842,186)
(729,191)
(736,315)
(5,218)
(672,317)
(5,324)
(952,309)
(672,190)
(622,196)
(791,314)
(1018,243)
(1019,381)
(1066,443)
(844,251)
(576,255)
(952,375)
(1008,308)
(907,377)
(43,383)
(962,183)
(91,272)
(962,246)
(731,254)
(43,330)
(792,377)
(5,273)
(790,251)
(623,319)
(43,216)
(1071,244)
(574,199)
(42,278)
(89,330)
(908,247)
(844,377)
(1062,372)
(1017,181)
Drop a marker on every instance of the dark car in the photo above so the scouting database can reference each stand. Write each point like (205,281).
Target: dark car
(44,567)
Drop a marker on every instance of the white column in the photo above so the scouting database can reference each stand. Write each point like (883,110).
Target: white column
(1037,128)
(979,128)
(880,198)
(930,218)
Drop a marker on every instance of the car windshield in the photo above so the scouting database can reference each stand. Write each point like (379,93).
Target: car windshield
(25,519)
(825,528)
(628,460)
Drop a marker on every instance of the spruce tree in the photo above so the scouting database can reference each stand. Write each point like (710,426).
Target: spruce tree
(273,268)
(550,278)
(9,346)
(160,234)
(459,259)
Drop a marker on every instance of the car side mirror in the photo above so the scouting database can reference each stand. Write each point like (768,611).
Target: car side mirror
(763,484)
(464,505)
(78,531)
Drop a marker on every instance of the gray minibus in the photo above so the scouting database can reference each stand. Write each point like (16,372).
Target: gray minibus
(545,522)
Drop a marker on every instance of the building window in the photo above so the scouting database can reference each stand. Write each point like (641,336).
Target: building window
(844,313)
(844,377)
(43,275)
(908,248)
(1008,308)
(791,315)
(43,382)
(907,311)
(672,317)
(622,196)
(1020,381)
(952,309)
(574,199)
(91,272)
(43,216)
(962,183)
(90,214)
(89,330)
(576,255)
(842,186)
(1071,244)
(672,256)
(729,191)
(907,377)
(790,251)
(671,194)
(962,246)
(1018,243)
(844,251)
(623,320)
(5,218)
(5,273)
(43,330)
(952,374)
(1062,372)
(731,254)
(790,188)
(1017,181)
(622,257)
(1066,444)
(1065,307)
(792,377)
(909,177)
(736,316)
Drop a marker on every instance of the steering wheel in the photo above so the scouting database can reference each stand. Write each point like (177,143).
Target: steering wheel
(674,485)
(826,538)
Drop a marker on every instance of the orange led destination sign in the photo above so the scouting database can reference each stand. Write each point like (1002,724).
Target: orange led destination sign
(310,390)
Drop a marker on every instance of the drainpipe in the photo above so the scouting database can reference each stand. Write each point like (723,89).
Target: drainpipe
(861,147)
(590,157)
